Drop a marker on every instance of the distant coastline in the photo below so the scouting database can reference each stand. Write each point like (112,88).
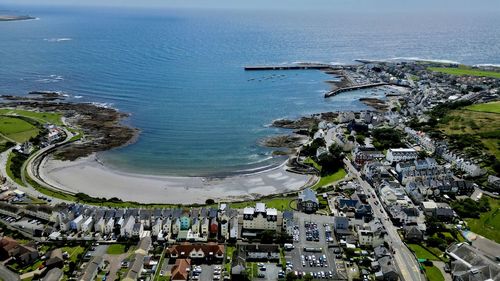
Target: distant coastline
(15,18)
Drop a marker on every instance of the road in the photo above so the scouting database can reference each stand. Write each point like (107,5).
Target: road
(28,166)
(406,262)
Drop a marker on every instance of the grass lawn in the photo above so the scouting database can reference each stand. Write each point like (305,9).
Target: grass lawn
(17,129)
(280,203)
(433,273)
(28,268)
(229,256)
(9,171)
(465,121)
(42,117)
(488,224)
(326,180)
(312,162)
(252,270)
(116,249)
(422,253)
(463,70)
(73,252)
(492,107)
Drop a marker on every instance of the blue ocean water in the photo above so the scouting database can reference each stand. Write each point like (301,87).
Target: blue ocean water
(180,72)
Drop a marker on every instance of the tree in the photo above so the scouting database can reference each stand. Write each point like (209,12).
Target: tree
(331,161)
(360,139)
(308,277)
(433,225)
(290,276)
(310,150)
(384,138)
(267,237)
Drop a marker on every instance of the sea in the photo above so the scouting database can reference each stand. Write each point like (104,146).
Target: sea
(180,72)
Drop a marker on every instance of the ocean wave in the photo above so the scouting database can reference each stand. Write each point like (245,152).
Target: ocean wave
(337,63)
(53,78)
(487,65)
(57,39)
(410,59)
(102,104)
(309,62)
(78,97)
(424,59)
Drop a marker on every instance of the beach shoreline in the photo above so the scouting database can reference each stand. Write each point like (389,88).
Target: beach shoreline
(87,175)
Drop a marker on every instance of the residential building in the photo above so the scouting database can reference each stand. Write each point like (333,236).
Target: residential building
(371,234)
(198,253)
(93,267)
(180,271)
(401,154)
(260,218)
(307,201)
(468,263)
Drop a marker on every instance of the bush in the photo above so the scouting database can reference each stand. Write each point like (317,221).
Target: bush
(17,161)
(385,138)
(468,208)
(437,242)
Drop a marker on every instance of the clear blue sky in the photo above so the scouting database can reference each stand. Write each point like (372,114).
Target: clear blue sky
(334,5)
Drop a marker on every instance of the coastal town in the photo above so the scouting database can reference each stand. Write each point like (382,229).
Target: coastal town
(407,190)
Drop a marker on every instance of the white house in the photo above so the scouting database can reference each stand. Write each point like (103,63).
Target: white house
(205,226)
(260,218)
(128,226)
(157,227)
(371,234)
(99,225)
(110,226)
(87,225)
(76,224)
(401,154)
(234,233)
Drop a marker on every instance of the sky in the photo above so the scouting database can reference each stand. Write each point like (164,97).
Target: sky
(334,5)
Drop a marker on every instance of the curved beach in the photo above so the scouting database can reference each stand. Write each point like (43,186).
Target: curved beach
(89,176)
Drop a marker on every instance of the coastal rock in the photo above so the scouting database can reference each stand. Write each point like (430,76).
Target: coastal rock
(378,104)
(288,141)
(301,123)
(101,126)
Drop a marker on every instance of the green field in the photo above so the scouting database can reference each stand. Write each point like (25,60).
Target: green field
(229,256)
(42,117)
(309,160)
(492,107)
(8,169)
(488,224)
(73,252)
(464,70)
(17,129)
(326,180)
(475,123)
(280,203)
(116,249)
(422,253)
(433,273)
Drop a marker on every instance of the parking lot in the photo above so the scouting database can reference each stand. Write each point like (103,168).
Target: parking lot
(96,251)
(311,253)
(26,224)
(206,272)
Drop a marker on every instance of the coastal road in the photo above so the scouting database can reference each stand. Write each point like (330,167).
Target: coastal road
(405,260)
(27,166)
(14,185)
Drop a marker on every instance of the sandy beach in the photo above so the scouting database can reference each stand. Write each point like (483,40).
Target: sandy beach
(90,177)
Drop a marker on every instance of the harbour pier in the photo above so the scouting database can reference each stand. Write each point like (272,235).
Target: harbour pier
(288,67)
(352,88)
